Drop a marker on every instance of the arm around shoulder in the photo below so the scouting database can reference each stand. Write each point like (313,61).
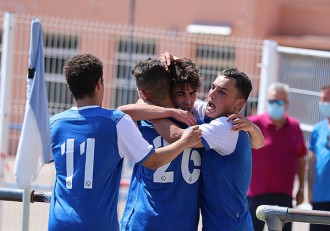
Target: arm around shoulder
(168,130)
(145,111)
(164,155)
(256,137)
(242,123)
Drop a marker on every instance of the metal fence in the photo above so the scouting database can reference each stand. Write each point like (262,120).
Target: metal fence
(305,71)
(120,47)
(276,216)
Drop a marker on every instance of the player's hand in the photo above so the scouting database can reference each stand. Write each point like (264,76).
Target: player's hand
(166,58)
(192,136)
(184,116)
(240,123)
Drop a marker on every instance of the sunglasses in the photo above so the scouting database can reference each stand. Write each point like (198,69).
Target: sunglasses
(278,102)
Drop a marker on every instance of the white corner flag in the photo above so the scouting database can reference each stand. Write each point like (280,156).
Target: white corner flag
(34,148)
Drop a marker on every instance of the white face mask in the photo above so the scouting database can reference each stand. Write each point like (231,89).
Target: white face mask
(324,108)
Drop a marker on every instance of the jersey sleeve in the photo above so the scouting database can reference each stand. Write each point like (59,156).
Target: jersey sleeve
(131,144)
(199,109)
(218,135)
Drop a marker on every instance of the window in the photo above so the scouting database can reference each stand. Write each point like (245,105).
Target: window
(129,52)
(212,59)
(58,48)
(215,52)
(137,47)
(121,94)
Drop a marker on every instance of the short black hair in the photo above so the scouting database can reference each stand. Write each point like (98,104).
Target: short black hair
(243,82)
(152,77)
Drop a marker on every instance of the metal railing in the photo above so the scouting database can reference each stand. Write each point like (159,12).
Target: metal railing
(7,194)
(276,216)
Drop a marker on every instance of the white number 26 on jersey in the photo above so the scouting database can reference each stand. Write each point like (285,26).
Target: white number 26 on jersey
(163,176)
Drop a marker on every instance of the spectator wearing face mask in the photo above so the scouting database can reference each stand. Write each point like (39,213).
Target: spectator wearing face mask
(319,160)
(275,165)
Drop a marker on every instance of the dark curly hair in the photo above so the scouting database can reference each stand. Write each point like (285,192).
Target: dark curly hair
(184,73)
(82,72)
(152,77)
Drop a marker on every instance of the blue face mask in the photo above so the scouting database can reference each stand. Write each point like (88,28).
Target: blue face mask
(275,111)
(324,108)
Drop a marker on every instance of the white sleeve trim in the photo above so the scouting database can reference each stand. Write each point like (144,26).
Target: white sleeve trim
(131,144)
(219,136)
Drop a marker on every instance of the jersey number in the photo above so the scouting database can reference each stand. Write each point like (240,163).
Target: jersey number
(86,147)
(162,176)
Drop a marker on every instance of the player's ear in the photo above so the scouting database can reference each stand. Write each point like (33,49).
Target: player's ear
(239,104)
(143,95)
(99,83)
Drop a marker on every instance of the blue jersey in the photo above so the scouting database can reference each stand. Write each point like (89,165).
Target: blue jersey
(225,182)
(320,144)
(88,146)
(226,175)
(167,198)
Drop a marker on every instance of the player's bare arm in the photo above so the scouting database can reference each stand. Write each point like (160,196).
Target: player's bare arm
(241,123)
(149,112)
(190,137)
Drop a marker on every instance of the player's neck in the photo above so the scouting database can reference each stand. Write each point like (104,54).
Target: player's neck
(88,102)
(165,103)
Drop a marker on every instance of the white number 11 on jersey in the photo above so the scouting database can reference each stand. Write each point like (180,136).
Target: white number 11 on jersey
(67,148)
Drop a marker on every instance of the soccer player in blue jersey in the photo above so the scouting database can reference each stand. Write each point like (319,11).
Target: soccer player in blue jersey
(88,144)
(185,98)
(227,162)
(166,198)
(226,168)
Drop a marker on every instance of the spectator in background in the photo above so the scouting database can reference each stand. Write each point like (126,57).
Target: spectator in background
(283,155)
(319,161)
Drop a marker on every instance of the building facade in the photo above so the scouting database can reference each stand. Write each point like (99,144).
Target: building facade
(295,23)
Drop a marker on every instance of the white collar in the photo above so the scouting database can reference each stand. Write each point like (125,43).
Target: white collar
(85,107)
